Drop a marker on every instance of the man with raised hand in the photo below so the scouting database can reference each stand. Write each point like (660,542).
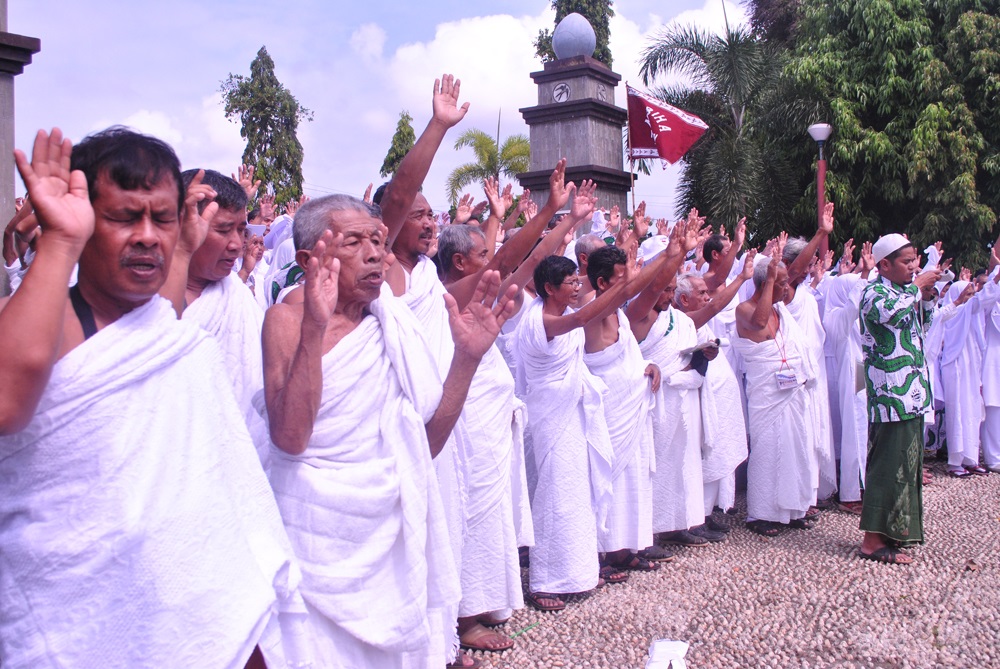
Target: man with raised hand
(781,470)
(138,525)
(216,298)
(357,409)
(895,309)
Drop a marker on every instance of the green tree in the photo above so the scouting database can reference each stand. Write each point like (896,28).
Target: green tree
(512,158)
(269,116)
(741,166)
(598,12)
(402,141)
(911,90)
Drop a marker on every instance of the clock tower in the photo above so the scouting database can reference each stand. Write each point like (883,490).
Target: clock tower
(576,118)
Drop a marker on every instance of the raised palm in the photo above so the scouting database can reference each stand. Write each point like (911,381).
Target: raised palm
(445,104)
(476,327)
(59,197)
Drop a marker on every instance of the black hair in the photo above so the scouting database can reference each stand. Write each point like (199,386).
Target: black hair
(380,193)
(129,159)
(552,271)
(601,263)
(254,213)
(714,244)
(229,194)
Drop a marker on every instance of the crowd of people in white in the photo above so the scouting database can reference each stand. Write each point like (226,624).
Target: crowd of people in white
(334,437)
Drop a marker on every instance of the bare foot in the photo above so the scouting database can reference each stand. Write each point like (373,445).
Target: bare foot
(481,638)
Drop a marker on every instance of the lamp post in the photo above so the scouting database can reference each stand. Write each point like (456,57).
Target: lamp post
(820,132)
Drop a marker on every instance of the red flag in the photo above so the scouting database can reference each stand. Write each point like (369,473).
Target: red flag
(659,130)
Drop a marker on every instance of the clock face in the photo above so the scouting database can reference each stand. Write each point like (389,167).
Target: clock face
(561,92)
(602,93)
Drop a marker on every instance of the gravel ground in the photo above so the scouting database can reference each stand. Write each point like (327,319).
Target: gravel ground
(803,599)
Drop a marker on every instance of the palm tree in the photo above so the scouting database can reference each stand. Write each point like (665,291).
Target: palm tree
(744,165)
(512,158)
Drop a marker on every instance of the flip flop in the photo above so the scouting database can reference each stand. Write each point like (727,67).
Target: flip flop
(885,555)
(959,473)
(613,574)
(459,662)
(977,470)
(656,554)
(535,599)
(801,524)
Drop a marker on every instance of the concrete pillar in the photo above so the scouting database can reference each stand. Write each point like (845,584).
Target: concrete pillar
(15,53)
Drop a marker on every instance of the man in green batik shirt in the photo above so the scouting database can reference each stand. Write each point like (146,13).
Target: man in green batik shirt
(893,319)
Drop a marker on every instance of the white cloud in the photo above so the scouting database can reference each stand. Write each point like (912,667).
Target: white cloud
(368,41)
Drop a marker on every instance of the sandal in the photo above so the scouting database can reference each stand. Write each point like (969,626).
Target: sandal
(536,600)
(613,574)
(656,554)
(801,524)
(634,562)
(851,507)
(884,555)
(460,662)
(979,471)
(959,473)
(764,528)
(474,643)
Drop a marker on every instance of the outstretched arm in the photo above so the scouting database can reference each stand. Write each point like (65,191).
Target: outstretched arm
(720,275)
(413,169)
(194,229)
(32,320)
(474,330)
(683,238)
(800,266)
(726,295)
(293,351)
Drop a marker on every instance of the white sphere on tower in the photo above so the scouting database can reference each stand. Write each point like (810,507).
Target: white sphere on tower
(574,36)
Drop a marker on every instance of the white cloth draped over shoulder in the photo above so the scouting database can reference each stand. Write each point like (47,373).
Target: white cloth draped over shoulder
(841,320)
(678,485)
(628,413)
(571,452)
(490,570)
(425,297)
(227,310)
(805,310)
(724,445)
(137,523)
(362,507)
(781,470)
(961,368)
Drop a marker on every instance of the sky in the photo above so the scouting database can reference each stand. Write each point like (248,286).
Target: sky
(157,67)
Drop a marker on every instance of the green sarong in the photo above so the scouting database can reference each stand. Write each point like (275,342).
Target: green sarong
(893,498)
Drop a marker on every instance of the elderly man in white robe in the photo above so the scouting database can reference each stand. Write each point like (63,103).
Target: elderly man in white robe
(356,410)
(797,256)
(138,524)
(724,445)
(491,425)
(216,299)
(667,338)
(781,469)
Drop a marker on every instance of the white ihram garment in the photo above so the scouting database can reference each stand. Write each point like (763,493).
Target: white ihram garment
(138,528)
(724,446)
(227,310)
(781,470)
(362,507)
(571,453)
(678,486)
(628,413)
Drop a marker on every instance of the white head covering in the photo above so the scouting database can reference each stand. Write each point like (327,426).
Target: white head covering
(888,244)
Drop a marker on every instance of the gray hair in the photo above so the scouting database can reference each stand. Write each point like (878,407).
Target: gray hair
(760,269)
(587,245)
(315,216)
(793,248)
(684,285)
(456,239)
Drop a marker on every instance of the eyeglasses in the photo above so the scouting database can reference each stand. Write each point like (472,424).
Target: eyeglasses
(576,283)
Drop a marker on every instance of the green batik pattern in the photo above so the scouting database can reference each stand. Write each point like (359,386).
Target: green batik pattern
(895,370)
(901,516)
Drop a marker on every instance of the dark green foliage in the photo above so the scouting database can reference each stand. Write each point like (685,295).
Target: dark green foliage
(269,116)
(911,89)
(402,141)
(598,12)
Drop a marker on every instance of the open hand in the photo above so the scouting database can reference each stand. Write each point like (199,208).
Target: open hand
(476,327)
(195,224)
(59,197)
(246,180)
(322,271)
(653,372)
(445,103)
(558,188)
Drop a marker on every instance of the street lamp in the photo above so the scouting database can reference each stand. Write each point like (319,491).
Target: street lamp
(820,132)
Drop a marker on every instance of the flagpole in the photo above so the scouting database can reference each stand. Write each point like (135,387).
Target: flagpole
(631,161)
